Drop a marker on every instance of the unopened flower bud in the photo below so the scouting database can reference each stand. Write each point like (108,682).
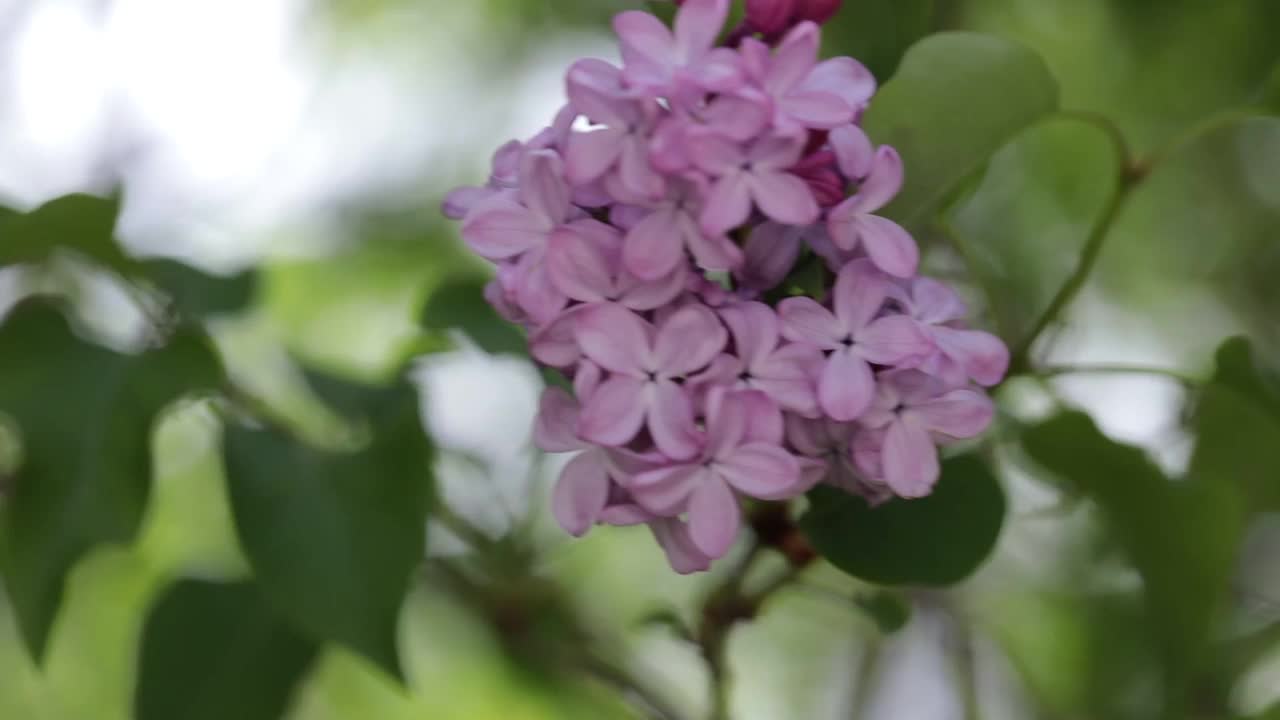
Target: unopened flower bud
(770,17)
(818,11)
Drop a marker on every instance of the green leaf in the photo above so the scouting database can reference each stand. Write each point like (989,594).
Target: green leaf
(1049,184)
(1237,424)
(459,303)
(196,294)
(1181,536)
(936,540)
(334,537)
(86,224)
(878,32)
(956,99)
(84,415)
(889,610)
(83,223)
(215,651)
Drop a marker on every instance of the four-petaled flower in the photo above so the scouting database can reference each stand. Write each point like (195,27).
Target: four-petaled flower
(648,365)
(855,336)
(740,453)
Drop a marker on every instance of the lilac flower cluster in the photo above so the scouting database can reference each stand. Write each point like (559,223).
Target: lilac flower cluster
(637,239)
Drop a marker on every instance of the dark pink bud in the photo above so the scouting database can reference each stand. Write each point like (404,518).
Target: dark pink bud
(818,11)
(817,139)
(770,17)
(819,172)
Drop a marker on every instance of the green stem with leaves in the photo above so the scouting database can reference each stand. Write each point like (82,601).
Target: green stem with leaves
(1128,177)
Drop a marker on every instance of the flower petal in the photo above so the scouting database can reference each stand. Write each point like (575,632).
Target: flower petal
(718,71)
(984,356)
(755,330)
(542,186)
(761,470)
(615,338)
(625,515)
(909,460)
(892,340)
(636,173)
(535,293)
(853,151)
(712,152)
(697,24)
(778,151)
(710,252)
(595,90)
(578,267)
(459,201)
(581,493)
(889,246)
(846,386)
(688,340)
(817,109)
(666,490)
(739,117)
(763,418)
(726,420)
(714,517)
(728,205)
(859,295)
(769,255)
(805,321)
(794,59)
(883,182)
(500,228)
(653,247)
(649,295)
(645,40)
(783,197)
(682,554)
(959,413)
(671,421)
(554,344)
(589,155)
(556,423)
(934,302)
(614,413)
(843,76)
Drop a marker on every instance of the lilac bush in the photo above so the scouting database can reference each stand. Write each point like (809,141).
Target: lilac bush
(647,240)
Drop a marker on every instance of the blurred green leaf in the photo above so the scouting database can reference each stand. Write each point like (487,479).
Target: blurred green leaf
(1022,228)
(85,416)
(956,99)
(878,32)
(86,224)
(459,304)
(197,295)
(1154,66)
(1182,537)
(936,540)
(1237,424)
(83,223)
(889,610)
(215,651)
(334,537)
(1269,97)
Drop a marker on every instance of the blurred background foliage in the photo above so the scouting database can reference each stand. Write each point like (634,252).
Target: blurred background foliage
(280,166)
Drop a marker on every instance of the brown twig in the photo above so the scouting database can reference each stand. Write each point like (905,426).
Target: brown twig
(729,604)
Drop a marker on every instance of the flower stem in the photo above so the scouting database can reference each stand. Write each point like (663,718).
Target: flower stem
(644,698)
(1128,176)
(1117,369)
(1131,172)
(728,604)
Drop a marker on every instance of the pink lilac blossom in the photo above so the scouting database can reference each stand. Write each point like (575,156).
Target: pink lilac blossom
(697,244)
